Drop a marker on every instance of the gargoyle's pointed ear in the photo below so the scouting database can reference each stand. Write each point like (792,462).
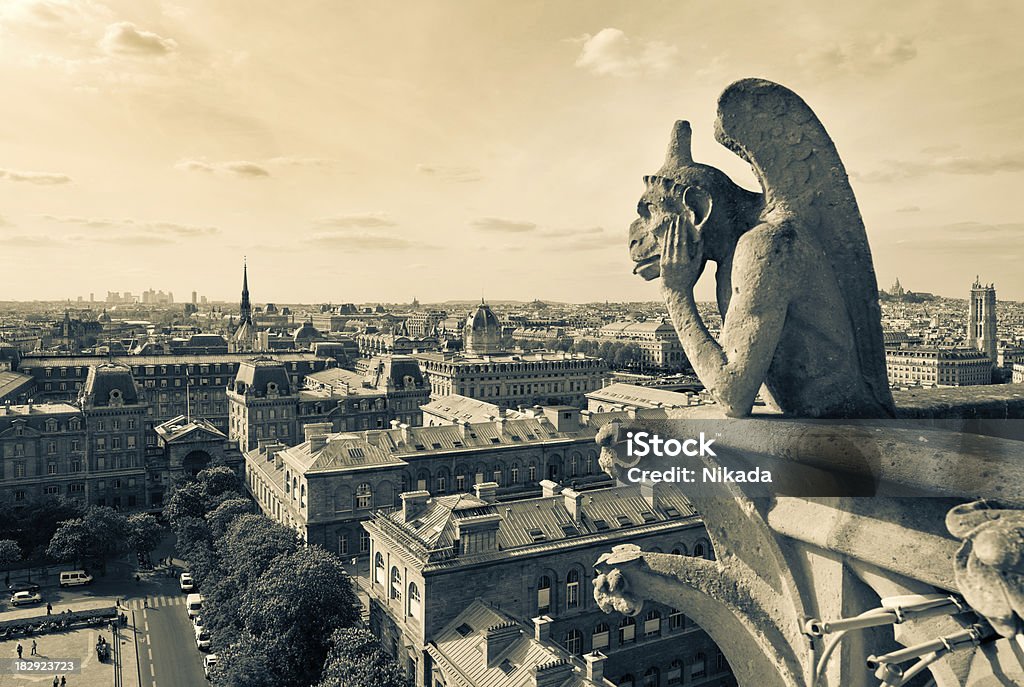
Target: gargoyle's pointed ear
(679,153)
(698,202)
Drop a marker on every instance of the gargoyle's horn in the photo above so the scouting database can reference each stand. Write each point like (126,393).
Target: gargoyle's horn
(678,154)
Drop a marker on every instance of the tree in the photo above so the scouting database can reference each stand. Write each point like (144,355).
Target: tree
(191,532)
(216,481)
(10,553)
(223,515)
(356,659)
(99,535)
(249,545)
(248,662)
(187,501)
(144,532)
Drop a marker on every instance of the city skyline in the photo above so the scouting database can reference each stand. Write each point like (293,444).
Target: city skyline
(436,152)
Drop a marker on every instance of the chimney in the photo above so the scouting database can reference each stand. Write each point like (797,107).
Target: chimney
(550,488)
(486,491)
(499,638)
(317,442)
(542,628)
(595,666)
(653,493)
(315,429)
(631,412)
(278,460)
(394,424)
(405,432)
(552,674)
(413,503)
(573,499)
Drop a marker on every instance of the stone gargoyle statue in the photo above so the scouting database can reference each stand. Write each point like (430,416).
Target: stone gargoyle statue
(796,286)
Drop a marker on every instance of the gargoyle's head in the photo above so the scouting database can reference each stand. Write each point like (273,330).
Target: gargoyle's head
(682,190)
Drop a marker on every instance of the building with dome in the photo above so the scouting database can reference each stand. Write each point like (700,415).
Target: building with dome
(508,379)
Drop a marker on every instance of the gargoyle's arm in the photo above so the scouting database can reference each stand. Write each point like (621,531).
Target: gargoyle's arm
(765,268)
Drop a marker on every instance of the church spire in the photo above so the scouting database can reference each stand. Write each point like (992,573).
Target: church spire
(245,309)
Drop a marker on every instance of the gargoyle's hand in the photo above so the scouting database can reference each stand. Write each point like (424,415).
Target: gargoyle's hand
(682,256)
(611,586)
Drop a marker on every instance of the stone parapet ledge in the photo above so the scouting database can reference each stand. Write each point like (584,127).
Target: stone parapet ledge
(991,401)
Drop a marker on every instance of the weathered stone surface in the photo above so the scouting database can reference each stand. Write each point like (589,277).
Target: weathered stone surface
(796,284)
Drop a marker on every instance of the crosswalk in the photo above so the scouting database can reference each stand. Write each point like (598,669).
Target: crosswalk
(154,601)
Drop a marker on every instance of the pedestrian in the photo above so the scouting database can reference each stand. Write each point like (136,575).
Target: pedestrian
(63,681)
(34,653)
(56,682)
(20,649)
(145,602)
(49,608)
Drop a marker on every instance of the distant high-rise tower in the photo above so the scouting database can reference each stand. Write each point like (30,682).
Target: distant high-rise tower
(245,309)
(981,329)
(194,294)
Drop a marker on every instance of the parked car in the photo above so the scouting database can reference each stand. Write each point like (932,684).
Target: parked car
(23,587)
(186,582)
(209,662)
(203,640)
(25,598)
(198,623)
(70,578)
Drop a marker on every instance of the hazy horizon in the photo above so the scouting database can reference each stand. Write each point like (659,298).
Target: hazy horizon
(442,149)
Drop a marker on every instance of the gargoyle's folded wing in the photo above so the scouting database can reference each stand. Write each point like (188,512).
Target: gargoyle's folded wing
(796,162)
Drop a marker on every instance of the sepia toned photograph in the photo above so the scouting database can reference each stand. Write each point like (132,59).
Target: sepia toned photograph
(511,344)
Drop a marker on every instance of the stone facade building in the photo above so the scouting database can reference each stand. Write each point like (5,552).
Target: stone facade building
(325,486)
(657,340)
(620,396)
(981,327)
(935,366)
(534,559)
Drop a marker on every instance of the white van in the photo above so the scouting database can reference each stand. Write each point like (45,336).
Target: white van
(70,578)
(193,604)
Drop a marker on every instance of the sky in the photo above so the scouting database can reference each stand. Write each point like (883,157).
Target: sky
(357,152)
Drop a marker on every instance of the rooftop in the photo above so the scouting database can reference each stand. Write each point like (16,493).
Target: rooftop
(641,396)
(38,409)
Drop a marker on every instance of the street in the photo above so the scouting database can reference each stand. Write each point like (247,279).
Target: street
(168,656)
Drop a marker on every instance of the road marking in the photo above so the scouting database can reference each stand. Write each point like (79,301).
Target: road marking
(150,652)
(152,673)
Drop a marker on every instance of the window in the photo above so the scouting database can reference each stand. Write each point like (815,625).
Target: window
(460,483)
(442,483)
(572,589)
(342,544)
(414,601)
(51,469)
(364,542)
(497,476)
(676,619)
(674,676)
(698,550)
(101,444)
(378,568)
(131,441)
(532,473)
(76,466)
(131,423)
(625,681)
(544,594)
(627,631)
(652,624)
(115,443)
(19,495)
(19,469)
(699,666)
(513,474)
(574,641)
(651,677)
(364,495)
(302,496)
(396,584)
(599,639)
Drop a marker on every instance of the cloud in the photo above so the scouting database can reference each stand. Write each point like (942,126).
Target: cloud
(39,178)
(871,55)
(365,242)
(245,169)
(238,168)
(507,226)
(130,229)
(574,232)
(295,161)
(978,165)
(124,38)
(26,241)
(450,173)
(365,220)
(610,52)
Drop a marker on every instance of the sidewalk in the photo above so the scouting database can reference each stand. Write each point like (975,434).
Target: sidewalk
(77,645)
(129,652)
